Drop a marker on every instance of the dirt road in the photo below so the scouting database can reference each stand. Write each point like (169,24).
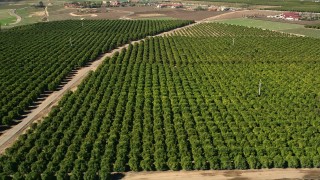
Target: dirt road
(45,106)
(13,13)
(261,174)
(128,13)
(46,11)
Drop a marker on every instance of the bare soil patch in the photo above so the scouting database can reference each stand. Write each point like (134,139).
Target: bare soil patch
(12,12)
(38,14)
(136,9)
(83,15)
(241,14)
(265,174)
(180,14)
(151,15)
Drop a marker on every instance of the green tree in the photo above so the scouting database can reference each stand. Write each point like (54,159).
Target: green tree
(240,162)
(279,162)
(293,162)
(316,161)
(306,162)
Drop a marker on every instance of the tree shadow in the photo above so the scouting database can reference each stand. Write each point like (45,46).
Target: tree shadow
(117,176)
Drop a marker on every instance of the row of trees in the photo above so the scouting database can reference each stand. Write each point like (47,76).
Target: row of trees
(48,52)
(166,103)
(313,26)
(222,29)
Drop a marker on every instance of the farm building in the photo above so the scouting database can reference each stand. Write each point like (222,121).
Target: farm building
(175,5)
(292,16)
(115,3)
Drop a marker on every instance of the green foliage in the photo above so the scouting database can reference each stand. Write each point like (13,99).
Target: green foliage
(181,102)
(293,162)
(240,162)
(313,26)
(48,52)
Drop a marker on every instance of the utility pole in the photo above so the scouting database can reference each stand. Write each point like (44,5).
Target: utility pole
(70,42)
(260,87)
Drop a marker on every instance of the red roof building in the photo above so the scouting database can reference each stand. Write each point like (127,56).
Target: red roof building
(292,16)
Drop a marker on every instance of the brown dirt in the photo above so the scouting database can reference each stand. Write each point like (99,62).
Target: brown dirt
(12,12)
(240,14)
(265,174)
(151,15)
(181,14)
(83,15)
(135,9)
(135,13)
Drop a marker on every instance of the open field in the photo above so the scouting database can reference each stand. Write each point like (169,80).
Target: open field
(261,24)
(6,18)
(242,14)
(291,5)
(277,26)
(57,12)
(305,31)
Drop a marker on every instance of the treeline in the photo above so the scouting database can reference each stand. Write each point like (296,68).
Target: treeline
(172,103)
(227,30)
(37,58)
(292,5)
(313,26)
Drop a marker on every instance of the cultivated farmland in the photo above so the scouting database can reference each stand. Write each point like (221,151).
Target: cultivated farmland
(185,101)
(37,58)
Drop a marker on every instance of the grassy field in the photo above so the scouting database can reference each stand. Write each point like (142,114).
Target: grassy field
(305,31)
(288,5)
(276,26)
(6,18)
(261,24)
(30,15)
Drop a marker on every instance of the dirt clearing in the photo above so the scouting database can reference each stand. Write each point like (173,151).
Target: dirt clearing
(83,15)
(151,15)
(241,14)
(178,14)
(38,14)
(265,174)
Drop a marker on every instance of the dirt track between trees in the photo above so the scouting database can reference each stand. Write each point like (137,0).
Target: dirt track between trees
(9,136)
(260,174)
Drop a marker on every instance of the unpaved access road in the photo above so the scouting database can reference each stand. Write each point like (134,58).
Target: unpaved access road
(45,106)
(259,174)
(12,12)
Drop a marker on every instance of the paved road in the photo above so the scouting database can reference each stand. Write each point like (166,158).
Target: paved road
(44,108)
